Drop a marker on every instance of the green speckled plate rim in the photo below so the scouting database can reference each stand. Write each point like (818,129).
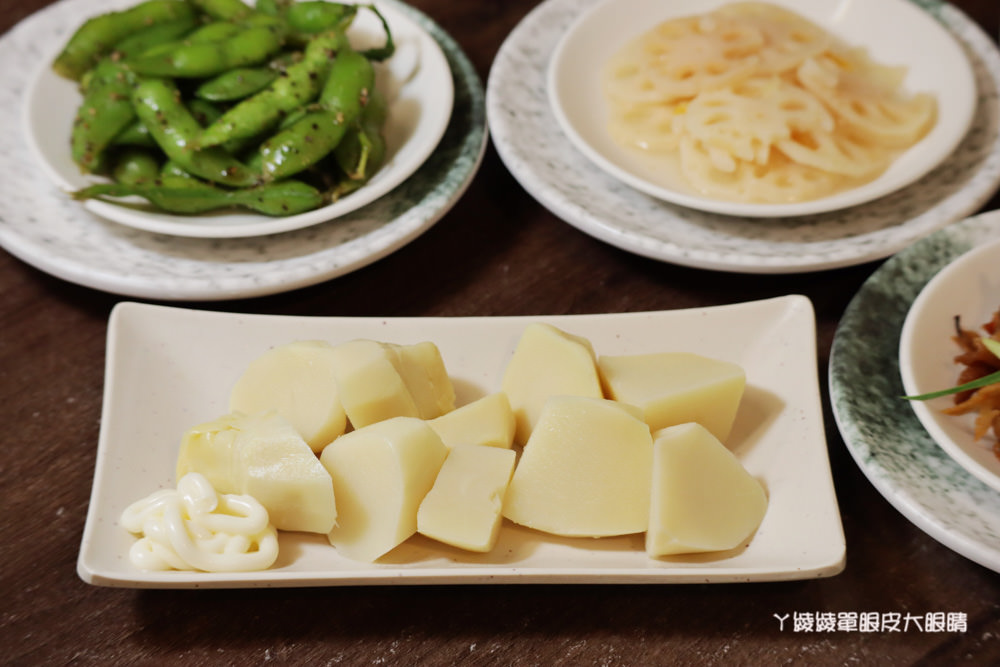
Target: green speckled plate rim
(528,140)
(52,234)
(880,430)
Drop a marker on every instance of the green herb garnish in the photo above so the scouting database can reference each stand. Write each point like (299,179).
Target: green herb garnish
(991,345)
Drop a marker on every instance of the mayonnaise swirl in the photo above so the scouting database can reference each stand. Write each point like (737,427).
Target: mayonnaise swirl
(196,528)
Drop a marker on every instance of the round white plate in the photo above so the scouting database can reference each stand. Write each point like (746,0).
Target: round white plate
(43,227)
(880,428)
(935,64)
(543,160)
(968,288)
(417,82)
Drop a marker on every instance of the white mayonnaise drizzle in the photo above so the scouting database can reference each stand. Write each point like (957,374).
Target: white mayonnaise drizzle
(196,528)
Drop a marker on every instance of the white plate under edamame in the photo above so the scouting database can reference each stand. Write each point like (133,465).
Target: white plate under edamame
(417,82)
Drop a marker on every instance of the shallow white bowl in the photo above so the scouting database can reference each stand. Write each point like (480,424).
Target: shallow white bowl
(935,62)
(969,287)
(417,81)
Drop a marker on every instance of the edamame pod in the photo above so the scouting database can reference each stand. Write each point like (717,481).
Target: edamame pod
(135,134)
(204,34)
(135,166)
(98,35)
(307,141)
(311,17)
(248,47)
(236,84)
(203,111)
(300,84)
(272,7)
(153,36)
(214,31)
(302,145)
(223,10)
(242,82)
(348,85)
(359,155)
(105,111)
(362,151)
(184,197)
(171,168)
(158,104)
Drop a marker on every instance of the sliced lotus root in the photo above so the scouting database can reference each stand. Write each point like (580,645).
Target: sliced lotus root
(867,98)
(788,37)
(682,57)
(747,120)
(779,181)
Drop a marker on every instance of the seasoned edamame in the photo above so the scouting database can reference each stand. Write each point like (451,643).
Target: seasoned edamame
(299,86)
(106,110)
(98,35)
(232,100)
(307,141)
(175,129)
(274,199)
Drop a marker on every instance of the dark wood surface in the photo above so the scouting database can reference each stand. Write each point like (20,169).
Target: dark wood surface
(506,255)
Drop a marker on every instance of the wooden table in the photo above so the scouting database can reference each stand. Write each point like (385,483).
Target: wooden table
(506,255)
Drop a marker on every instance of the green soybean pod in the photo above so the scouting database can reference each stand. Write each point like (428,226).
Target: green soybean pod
(272,7)
(206,113)
(236,84)
(134,134)
(135,166)
(203,111)
(362,151)
(207,33)
(259,20)
(259,113)
(348,85)
(199,60)
(158,104)
(279,199)
(301,145)
(359,155)
(213,31)
(295,116)
(223,10)
(204,34)
(376,113)
(304,24)
(174,175)
(98,35)
(316,16)
(105,111)
(345,93)
(240,83)
(190,196)
(171,169)
(153,36)
(137,134)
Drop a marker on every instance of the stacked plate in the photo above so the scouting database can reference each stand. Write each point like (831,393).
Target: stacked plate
(436,136)
(546,120)
(895,340)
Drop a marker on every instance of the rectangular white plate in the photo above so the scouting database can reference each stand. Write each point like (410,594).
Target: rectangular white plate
(171,368)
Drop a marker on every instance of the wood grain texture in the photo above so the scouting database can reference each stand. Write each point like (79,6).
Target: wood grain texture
(505,255)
